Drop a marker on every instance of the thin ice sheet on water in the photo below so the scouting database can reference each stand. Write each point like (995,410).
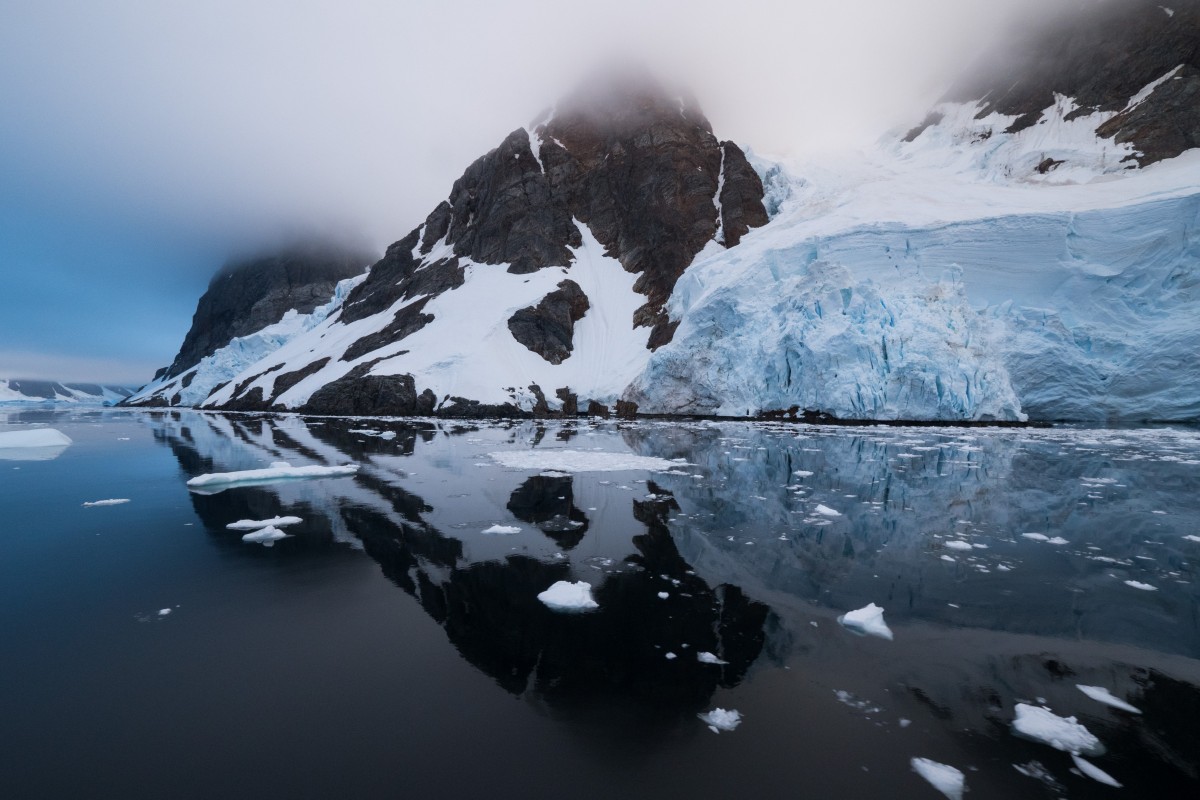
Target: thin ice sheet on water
(256,524)
(580,461)
(278,471)
(567,596)
(1145,587)
(867,620)
(267,537)
(115,501)
(1102,695)
(503,530)
(943,777)
(35,437)
(1062,733)
(1095,773)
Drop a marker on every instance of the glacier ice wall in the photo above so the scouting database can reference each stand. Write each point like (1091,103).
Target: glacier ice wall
(1087,315)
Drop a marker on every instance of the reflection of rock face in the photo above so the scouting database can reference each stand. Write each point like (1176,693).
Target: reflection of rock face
(547,502)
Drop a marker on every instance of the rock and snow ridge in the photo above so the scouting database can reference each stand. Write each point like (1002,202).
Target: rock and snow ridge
(53,392)
(1029,252)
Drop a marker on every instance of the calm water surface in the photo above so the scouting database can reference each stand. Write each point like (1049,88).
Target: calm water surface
(389,648)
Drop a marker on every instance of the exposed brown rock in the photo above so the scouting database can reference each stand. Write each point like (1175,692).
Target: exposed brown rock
(547,328)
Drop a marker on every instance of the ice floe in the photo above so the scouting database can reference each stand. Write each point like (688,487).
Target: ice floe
(1095,773)
(1062,733)
(1145,587)
(826,511)
(115,501)
(278,471)
(867,620)
(267,537)
(36,444)
(1102,695)
(580,461)
(957,544)
(503,530)
(943,777)
(256,524)
(720,719)
(567,596)
(705,657)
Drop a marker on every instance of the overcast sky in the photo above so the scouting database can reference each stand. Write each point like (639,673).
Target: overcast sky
(142,142)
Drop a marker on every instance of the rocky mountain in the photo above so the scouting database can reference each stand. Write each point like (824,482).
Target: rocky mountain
(53,392)
(1030,251)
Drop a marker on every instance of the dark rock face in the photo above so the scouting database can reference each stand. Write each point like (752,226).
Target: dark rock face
(640,168)
(547,328)
(370,395)
(1101,55)
(246,296)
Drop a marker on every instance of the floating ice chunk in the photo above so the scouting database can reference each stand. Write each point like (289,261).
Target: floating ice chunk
(946,779)
(803,473)
(826,511)
(162,612)
(705,657)
(867,620)
(36,437)
(1094,772)
(947,558)
(1145,587)
(1062,733)
(116,501)
(1102,695)
(670,656)
(267,537)
(1192,538)
(1056,540)
(719,719)
(958,544)
(579,461)
(503,530)
(1037,537)
(663,595)
(256,524)
(278,471)
(567,596)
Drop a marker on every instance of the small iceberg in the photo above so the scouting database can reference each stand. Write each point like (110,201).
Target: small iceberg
(1094,772)
(267,537)
(705,657)
(826,511)
(1145,587)
(214,482)
(256,524)
(502,530)
(719,719)
(116,501)
(567,596)
(957,544)
(1102,695)
(1062,733)
(36,444)
(867,620)
(943,777)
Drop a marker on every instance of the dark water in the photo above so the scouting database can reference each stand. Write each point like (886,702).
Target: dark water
(390,649)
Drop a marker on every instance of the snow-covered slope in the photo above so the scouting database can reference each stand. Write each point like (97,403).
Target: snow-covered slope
(14,391)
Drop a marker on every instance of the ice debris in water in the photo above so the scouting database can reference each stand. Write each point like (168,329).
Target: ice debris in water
(867,620)
(705,657)
(1192,538)
(278,471)
(267,537)
(1145,587)
(567,596)
(958,544)
(719,719)
(579,461)
(1102,695)
(1094,772)
(503,530)
(1037,537)
(826,511)
(162,612)
(1062,733)
(943,777)
(256,524)
(116,501)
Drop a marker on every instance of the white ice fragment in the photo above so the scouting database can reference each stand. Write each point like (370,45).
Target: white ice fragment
(1094,772)
(826,511)
(670,656)
(1145,587)
(278,471)
(958,544)
(867,620)
(1037,537)
(946,779)
(503,530)
(1192,538)
(663,595)
(947,558)
(256,524)
(162,612)
(719,719)
(567,596)
(1062,733)
(116,501)
(579,461)
(1057,540)
(35,437)
(1102,695)
(705,657)
(267,536)
(803,473)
